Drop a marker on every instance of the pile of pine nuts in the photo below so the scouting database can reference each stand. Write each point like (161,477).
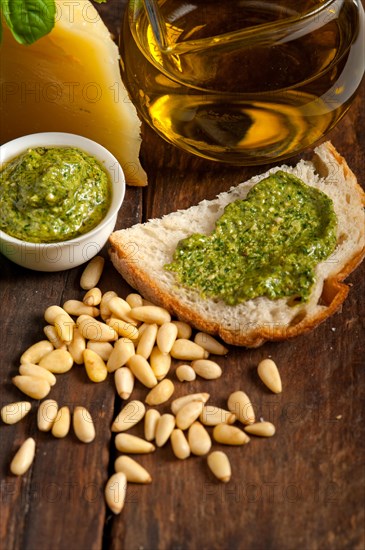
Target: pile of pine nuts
(135,340)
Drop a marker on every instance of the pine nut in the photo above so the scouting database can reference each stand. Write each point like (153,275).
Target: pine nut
(127,318)
(94,365)
(147,341)
(151,314)
(13,412)
(199,439)
(220,466)
(129,416)
(52,312)
(105,311)
(134,300)
(165,425)
(104,349)
(115,491)
(75,307)
(83,425)
(160,393)
(134,472)
(160,363)
(210,344)
(92,297)
(64,326)
(122,352)
(188,414)
(77,347)
(150,424)
(178,403)
(166,336)
(28,369)
(91,329)
(141,330)
(119,307)
(92,273)
(229,435)
(37,388)
(124,382)
(183,329)
(61,424)
(46,415)
(187,350)
(58,361)
(185,373)
(269,374)
(127,443)
(263,429)
(240,404)
(142,370)
(23,457)
(52,335)
(211,416)
(35,352)
(179,444)
(123,328)
(207,369)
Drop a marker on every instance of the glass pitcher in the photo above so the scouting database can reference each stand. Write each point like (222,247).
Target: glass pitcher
(243,81)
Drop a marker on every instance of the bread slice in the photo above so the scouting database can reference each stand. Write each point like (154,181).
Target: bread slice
(140,253)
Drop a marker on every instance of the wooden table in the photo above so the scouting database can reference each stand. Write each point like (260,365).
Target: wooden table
(302,488)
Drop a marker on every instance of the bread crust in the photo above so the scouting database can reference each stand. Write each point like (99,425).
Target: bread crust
(333,294)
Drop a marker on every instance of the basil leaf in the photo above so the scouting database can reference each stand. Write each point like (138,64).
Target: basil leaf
(29,20)
(100,1)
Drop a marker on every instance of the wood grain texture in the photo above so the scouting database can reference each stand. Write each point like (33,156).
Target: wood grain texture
(304,488)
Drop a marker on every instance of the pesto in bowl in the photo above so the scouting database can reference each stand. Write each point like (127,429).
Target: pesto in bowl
(83,184)
(53,194)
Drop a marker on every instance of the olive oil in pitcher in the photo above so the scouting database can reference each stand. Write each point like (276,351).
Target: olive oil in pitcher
(244,82)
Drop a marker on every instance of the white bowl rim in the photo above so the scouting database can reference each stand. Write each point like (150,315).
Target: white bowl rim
(64,139)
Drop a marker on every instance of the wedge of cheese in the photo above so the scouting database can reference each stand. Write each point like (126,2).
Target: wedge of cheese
(69,81)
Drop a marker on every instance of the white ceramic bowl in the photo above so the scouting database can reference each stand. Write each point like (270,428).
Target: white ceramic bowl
(65,254)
